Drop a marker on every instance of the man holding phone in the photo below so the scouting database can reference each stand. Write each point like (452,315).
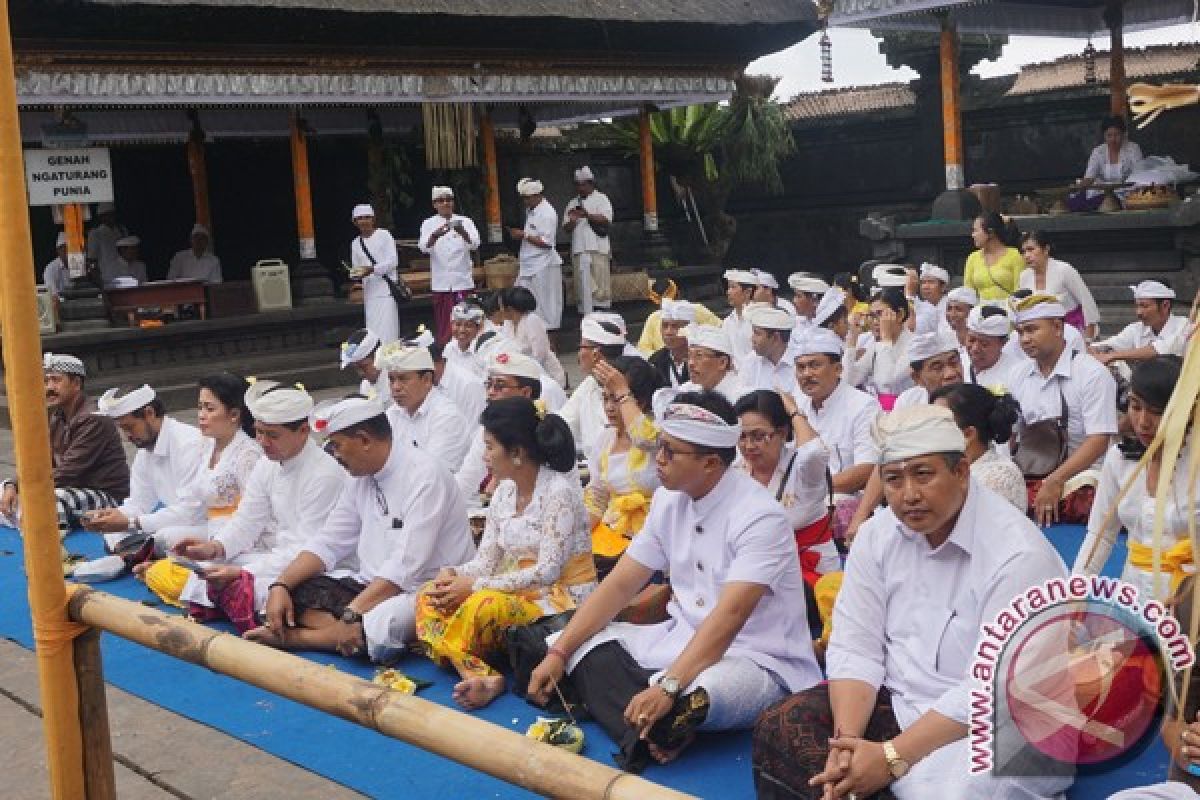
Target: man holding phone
(448,239)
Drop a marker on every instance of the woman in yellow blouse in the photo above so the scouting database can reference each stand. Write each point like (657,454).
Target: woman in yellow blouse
(621,464)
(994,269)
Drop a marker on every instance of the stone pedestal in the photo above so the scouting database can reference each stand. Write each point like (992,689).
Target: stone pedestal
(956,204)
(311,284)
(82,308)
(655,247)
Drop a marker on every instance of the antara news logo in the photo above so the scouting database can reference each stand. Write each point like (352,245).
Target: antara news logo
(1072,672)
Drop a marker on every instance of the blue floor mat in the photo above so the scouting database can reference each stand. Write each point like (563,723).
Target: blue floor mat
(715,766)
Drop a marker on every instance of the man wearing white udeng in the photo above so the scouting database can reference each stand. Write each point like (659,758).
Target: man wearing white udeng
(448,239)
(373,257)
(541,265)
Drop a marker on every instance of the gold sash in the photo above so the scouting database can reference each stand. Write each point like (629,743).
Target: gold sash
(579,570)
(1174,559)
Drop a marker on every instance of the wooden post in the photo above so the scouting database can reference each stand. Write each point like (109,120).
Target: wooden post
(646,151)
(93,719)
(508,755)
(491,179)
(1114,17)
(951,111)
(198,169)
(303,190)
(27,410)
(73,227)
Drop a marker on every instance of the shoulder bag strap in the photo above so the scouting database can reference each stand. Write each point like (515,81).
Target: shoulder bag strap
(787,473)
(362,244)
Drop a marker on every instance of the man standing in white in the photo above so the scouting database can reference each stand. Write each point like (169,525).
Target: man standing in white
(448,239)
(587,218)
(198,261)
(541,265)
(374,259)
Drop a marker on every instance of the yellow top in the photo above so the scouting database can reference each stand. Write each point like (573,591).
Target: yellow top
(995,282)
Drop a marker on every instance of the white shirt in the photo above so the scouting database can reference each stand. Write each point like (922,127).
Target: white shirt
(1099,168)
(132,269)
(584,414)
(158,475)
(454,355)
(542,222)
(736,533)
(1064,280)
(102,248)
(738,329)
(405,522)
(465,389)
(381,387)
(471,474)
(914,396)
(382,245)
(56,277)
(756,372)
(998,374)
(438,428)
(450,257)
(908,617)
(533,340)
(844,424)
(1139,334)
(884,366)
(1087,386)
(186,264)
(730,385)
(583,237)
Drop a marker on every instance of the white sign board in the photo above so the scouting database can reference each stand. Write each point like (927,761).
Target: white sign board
(54,177)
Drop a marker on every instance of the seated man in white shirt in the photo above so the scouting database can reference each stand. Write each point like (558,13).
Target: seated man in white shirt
(169,456)
(766,290)
(768,367)
(129,262)
(399,512)
(710,364)
(922,579)
(1063,391)
(359,352)
(935,362)
(198,261)
(988,330)
(466,325)
(463,386)
(1152,334)
(421,416)
(959,303)
(736,638)
(739,291)
(584,411)
(671,359)
(807,293)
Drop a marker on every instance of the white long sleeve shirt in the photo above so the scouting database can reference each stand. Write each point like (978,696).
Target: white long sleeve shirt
(56,277)
(1139,334)
(382,245)
(450,257)
(1064,280)
(465,389)
(404,523)
(437,428)
(542,222)
(757,372)
(844,424)
(186,264)
(908,617)
(738,329)
(583,236)
(584,414)
(158,475)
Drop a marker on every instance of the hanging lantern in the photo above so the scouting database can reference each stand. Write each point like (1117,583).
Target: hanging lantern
(1089,63)
(826,57)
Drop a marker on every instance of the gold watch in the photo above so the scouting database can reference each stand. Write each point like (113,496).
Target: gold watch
(897,766)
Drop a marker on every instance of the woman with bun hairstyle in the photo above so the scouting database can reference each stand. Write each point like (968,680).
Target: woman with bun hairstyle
(535,557)
(986,419)
(994,269)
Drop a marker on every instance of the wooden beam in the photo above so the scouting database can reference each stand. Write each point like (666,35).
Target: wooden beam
(198,169)
(93,719)
(649,192)
(491,178)
(1114,17)
(303,189)
(951,109)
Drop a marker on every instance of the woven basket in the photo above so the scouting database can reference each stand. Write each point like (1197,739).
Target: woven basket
(629,286)
(501,272)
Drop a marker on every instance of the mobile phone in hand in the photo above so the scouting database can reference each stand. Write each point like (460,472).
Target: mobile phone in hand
(198,567)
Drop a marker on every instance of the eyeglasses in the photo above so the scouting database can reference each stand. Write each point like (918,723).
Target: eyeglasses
(756,437)
(669,452)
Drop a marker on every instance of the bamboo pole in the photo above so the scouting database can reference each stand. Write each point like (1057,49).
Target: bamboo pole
(646,151)
(491,178)
(26,403)
(460,737)
(951,110)
(93,719)
(303,190)
(1114,17)
(198,169)
(73,227)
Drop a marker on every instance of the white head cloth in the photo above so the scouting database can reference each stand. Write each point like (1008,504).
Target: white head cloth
(129,241)
(466,312)
(362,210)
(761,315)
(887,275)
(584,174)
(709,337)
(527,187)
(424,338)
(333,416)
(517,365)
(743,276)
(928,345)
(1047,309)
(934,271)
(357,351)
(610,317)
(764,278)
(809,284)
(963,296)
(833,299)
(60,240)
(811,340)
(677,311)
(403,357)
(200,229)
(916,431)
(590,330)
(275,404)
(63,364)
(109,405)
(442,191)
(995,325)
(1152,290)
(105,208)
(699,426)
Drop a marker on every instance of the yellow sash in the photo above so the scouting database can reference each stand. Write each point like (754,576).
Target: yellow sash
(578,570)
(624,518)
(1174,559)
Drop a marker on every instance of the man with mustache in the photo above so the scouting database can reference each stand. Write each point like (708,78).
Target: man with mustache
(89,467)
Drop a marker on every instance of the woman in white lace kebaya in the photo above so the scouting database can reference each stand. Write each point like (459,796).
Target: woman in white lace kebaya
(986,419)
(535,557)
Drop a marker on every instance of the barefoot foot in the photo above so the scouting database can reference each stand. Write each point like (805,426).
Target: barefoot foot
(478,691)
(264,635)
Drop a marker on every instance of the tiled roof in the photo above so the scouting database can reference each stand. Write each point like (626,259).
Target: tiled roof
(855,100)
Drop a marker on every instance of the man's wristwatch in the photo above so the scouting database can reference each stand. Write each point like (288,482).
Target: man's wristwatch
(351,617)
(896,765)
(670,686)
